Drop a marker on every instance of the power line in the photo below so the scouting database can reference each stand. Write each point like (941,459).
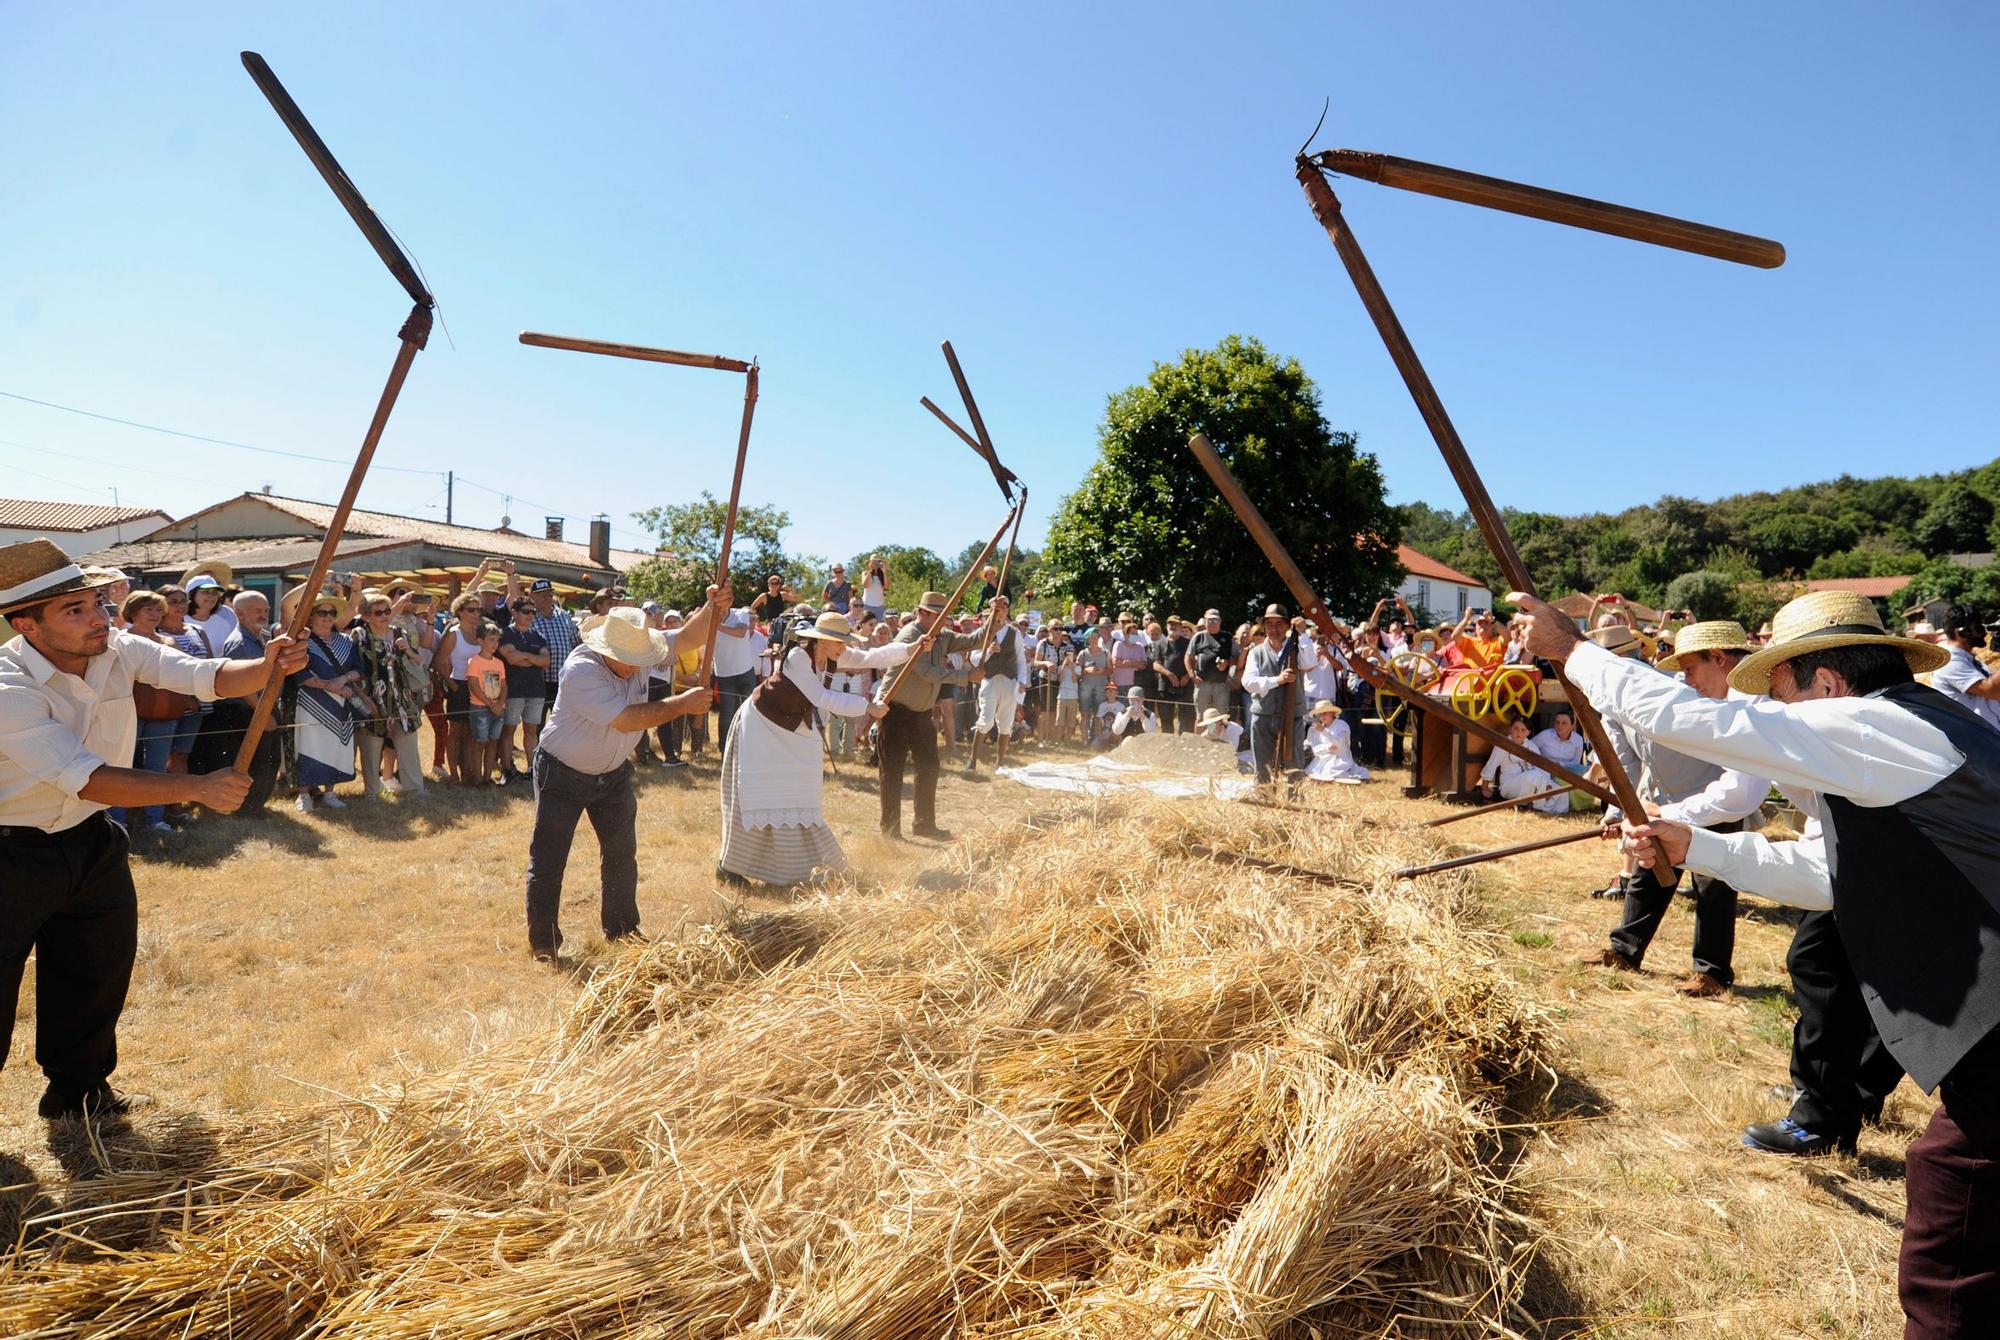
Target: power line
(51,479)
(645,540)
(116,465)
(198,437)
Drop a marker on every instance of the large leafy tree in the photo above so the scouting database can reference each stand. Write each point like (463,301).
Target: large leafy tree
(1954,523)
(1146,528)
(690,536)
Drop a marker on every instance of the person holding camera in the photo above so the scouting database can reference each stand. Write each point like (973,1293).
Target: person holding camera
(324,731)
(394,687)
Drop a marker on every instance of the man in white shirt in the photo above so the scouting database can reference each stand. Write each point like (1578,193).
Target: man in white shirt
(1906,785)
(1687,790)
(584,764)
(738,649)
(1963,679)
(67,728)
(1136,719)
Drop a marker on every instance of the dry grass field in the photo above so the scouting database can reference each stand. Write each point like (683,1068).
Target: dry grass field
(291,958)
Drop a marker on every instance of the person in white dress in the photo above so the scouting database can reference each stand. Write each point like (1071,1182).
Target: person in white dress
(1512,776)
(1328,743)
(773,824)
(1215,724)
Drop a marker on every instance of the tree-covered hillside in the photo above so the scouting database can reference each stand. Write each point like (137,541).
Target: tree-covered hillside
(1734,557)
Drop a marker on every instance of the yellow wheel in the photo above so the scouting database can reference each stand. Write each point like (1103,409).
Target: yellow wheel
(1515,695)
(1418,671)
(1472,694)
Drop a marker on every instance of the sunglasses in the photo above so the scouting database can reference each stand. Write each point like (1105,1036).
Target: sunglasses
(324,610)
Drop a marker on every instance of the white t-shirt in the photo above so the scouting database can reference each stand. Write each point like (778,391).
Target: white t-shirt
(1958,675)
(873,592)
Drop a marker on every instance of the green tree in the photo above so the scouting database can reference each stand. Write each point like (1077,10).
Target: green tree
(690,536)
(1147,528)
(1788,542)
(1711,595)
(912,571)
(1954,523)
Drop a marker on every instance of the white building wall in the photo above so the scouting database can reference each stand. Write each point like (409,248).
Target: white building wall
(74,542)
(1445,600)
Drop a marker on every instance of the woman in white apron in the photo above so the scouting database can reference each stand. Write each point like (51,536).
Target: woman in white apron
(773,825)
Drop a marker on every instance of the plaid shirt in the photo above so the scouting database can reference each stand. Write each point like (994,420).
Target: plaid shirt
(559,631)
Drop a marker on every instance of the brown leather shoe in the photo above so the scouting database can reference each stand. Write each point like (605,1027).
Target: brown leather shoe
(1609,958)
(1700,985)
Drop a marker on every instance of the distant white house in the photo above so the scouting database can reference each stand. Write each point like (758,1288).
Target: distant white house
(1445,592)
(76,528)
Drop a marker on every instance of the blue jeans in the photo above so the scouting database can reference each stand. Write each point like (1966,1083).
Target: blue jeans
(1089,697)
(562,797)
(156,739)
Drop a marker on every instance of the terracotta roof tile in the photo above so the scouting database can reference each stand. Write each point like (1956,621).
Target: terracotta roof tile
(1419,564)
(36,514)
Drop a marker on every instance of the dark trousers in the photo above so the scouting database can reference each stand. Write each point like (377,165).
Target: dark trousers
(562,796)
(902,736)
(1176,707)
(1948,1273)
(1646,902)
(731,692)
(1841,1069)
(69,898)
(228,723)
(657,690)
(1265,728)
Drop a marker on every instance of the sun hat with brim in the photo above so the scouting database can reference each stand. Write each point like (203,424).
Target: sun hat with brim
(289,603)
(1709,635)
(37,570)
(110,576)
(622,635)
(1617,638)
(1324,705)
(933,602)
(1275,612)
(1214,716)
(833,626)
(224,575)
(1821,621)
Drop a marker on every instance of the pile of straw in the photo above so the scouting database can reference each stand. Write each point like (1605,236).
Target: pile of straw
(1108,1087)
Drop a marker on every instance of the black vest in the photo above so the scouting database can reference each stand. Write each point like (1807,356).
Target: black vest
(1916,890)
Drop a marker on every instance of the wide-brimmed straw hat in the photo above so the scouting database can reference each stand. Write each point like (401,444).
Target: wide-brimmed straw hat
(1618,639)
(1212,717)
(933,602)
(1820,621)
(1325,705)
(288,604)
(833,626)
(37,570)
(623,636)
(224,575)
(1709,635)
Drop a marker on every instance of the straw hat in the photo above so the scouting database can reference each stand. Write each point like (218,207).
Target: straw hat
(37,570)
(1820,621)
(1214,716)
(1710,635)
(111,576)
(933,602)
(1325,705)
(224,575)
(289,604)
(832,626)
(1618,639)
(622,635)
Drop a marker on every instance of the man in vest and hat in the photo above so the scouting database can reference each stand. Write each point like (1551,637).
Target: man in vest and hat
(67,729)
(1000,690)
(1906,786)
(908,734)
(584,764)
(1269,668)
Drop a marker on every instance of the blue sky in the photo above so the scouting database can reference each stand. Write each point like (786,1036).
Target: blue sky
(1069,193)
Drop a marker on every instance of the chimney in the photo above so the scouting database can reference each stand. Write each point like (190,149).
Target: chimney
(600,540)
(552,527)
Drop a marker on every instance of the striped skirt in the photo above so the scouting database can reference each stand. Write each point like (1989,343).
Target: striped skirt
(775,855)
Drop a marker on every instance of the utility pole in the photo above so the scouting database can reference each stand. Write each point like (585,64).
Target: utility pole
(448,481)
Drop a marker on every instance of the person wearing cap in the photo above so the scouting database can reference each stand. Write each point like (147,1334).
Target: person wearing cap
(1210,655)
(1134,718)
(584,764)
(1005,663)
(1328,746)
(557,627)
(1962,678)
(773,825)
(1906,786)
(1174,684)
(1685,789)
(907,734)
(68,725)
(208,589)
(527,656)
(1268,670)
